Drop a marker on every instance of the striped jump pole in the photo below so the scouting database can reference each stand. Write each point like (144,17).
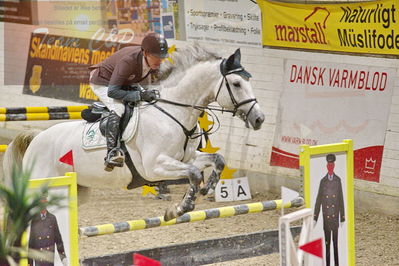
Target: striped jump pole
(51,109)
(3,148)
(40,116)
(188,217)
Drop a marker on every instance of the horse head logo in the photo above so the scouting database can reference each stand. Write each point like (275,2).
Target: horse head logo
(319,10)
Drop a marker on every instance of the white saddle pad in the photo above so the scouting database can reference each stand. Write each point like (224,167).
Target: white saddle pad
(93,139)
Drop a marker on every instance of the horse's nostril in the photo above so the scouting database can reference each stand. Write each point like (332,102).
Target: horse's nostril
(260,120)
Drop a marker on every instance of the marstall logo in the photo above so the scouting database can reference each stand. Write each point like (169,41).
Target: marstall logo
(306,33)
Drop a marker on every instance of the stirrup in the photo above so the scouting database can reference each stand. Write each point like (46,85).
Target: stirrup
(115,157)
(108,167)
(117,161)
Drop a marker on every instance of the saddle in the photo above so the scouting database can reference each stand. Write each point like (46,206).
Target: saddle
(97,117)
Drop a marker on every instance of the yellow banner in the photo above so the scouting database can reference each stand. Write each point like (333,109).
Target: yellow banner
(366,27)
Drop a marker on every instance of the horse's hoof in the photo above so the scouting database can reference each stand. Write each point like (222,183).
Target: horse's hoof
(108,167)
(204,191)
(171,213)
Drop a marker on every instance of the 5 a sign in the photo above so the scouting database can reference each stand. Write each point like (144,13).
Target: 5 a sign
(232,190)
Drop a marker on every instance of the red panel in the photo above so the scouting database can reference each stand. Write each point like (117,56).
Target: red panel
(367,163)
(284,159)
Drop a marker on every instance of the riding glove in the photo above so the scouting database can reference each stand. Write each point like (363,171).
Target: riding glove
(148,95)
(132,96)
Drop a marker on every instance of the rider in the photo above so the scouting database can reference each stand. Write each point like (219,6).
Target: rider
(112,80)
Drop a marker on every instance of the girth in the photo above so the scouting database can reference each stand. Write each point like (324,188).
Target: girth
(137,179)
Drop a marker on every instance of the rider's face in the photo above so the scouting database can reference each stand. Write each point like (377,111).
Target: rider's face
(153,61)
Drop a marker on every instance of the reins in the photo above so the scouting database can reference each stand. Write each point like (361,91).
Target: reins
(197,107)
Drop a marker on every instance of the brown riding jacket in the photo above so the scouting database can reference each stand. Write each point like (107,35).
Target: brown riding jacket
(123,68)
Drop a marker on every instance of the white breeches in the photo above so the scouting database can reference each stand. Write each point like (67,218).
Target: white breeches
(112,104)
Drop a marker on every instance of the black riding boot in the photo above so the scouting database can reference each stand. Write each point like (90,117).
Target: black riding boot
(115,156)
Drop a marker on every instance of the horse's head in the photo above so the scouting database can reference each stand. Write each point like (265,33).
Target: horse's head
(235,92)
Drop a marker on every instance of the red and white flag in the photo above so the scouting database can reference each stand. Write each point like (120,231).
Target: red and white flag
(67,158)
(314,247)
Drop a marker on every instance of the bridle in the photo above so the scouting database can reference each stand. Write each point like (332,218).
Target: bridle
(236,104)
(239,71)
(190,133)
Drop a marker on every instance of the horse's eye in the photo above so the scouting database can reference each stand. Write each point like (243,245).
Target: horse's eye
(236,84)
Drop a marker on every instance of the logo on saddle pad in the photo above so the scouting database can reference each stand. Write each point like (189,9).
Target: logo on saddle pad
(93,139)
(90,135)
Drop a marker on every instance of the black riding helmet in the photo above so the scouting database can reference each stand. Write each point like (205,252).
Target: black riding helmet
(155,44)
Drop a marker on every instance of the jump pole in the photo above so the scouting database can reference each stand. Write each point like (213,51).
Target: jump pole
(40,116)
(193,216)
(41,109)
(41,113)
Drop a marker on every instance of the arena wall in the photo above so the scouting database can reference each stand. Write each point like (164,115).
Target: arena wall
(246,150)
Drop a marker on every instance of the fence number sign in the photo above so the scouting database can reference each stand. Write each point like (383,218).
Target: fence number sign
(232,190)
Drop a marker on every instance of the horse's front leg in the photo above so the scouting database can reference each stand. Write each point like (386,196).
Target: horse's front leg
(204,160)
(170,168)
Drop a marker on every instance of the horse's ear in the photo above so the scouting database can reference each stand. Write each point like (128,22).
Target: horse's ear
(233,63)
(237,56)
(230,62)
(234,60)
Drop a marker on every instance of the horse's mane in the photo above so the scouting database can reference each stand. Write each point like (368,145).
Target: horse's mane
(183,59)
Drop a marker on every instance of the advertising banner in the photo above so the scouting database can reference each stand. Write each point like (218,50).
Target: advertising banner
(324,102)
(140,16)
(168,25)
(361,27)
(84,17)
(236,22)
(58,66)
(16,11)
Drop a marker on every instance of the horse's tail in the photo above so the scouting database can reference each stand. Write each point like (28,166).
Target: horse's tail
(15,152)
